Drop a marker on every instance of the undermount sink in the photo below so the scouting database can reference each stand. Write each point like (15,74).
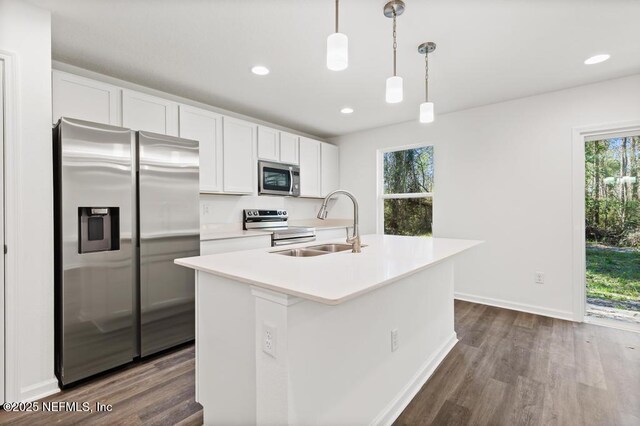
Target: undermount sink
(333,248)
(301,252)
(318,250)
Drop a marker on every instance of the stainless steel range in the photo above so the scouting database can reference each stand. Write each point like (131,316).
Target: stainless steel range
(277,222)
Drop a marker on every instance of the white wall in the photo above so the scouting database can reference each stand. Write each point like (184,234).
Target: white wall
(25,33)
(502,175)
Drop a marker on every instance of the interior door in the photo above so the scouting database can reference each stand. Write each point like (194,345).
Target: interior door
(169,226)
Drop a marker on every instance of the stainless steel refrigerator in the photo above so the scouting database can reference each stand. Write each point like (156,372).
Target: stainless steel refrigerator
(125,206)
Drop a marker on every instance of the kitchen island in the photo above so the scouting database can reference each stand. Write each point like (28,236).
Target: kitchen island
(338,337)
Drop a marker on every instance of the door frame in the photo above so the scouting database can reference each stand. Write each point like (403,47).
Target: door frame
(580,136)
(10,214)
(2,286)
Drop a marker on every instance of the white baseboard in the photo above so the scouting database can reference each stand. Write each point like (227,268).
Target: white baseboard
(523,307)
(391,412)
(611,323)
(39,390)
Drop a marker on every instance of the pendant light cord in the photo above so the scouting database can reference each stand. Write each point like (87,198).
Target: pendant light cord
(337,11)
(395,44)
(426,77)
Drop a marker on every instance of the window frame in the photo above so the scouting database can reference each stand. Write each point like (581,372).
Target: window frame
(381,196)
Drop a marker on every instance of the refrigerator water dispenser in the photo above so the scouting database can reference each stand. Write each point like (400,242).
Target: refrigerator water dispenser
(98,229)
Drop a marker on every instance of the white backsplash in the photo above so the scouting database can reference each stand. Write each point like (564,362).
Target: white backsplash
(225,211)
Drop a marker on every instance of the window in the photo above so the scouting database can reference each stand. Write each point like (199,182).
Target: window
(406,195)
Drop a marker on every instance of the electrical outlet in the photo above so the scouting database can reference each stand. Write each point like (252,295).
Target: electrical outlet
(539,277)
(269,339)
(394,340)
(205,209)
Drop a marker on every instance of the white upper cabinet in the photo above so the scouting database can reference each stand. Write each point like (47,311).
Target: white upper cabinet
(309,168)
(84,99)
(239,153)
(229,147)
(268,144)
(289,148)
(149,113)
(274,145)
(205,127)
(330,171)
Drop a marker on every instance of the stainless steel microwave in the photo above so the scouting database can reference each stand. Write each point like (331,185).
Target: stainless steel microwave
(278,179)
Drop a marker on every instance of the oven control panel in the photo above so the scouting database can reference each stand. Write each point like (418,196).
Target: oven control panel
(264,214)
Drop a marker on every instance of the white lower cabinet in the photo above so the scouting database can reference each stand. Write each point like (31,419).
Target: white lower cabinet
(205,127)
(235,244)
(85,99)
(149,113)
(239,154)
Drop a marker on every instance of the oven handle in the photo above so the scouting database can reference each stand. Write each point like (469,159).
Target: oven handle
(292,241)
(290,181)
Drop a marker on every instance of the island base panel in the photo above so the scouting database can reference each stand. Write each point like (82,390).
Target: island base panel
(332,364)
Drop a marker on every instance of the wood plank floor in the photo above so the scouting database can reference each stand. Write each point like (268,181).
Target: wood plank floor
(509,368)
(158,391)
(514,368)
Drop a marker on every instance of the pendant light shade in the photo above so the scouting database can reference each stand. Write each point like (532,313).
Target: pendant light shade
(394,93)
(337,52)
(426,112)
(394,90)
(337,48)
(426,108)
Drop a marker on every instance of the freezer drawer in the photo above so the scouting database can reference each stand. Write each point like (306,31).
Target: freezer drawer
(169,228)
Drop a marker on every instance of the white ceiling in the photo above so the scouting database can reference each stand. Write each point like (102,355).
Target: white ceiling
(488,51)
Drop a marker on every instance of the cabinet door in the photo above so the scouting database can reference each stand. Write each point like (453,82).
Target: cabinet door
(309,167)
(330,171)
(145,112)
(239,153)
(268,144)
(289,145)
(84,99)
(205,127)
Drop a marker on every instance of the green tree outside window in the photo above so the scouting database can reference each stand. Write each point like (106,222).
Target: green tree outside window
(407,191)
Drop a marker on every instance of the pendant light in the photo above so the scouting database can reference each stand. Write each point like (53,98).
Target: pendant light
(394,94)
(426,108)
(337,49)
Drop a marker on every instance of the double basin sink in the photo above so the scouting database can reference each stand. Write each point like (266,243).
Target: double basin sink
(318,250)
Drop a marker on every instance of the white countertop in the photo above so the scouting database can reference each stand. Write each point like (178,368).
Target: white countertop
(336,277)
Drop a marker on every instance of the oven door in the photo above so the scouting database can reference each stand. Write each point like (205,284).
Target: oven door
(278,179)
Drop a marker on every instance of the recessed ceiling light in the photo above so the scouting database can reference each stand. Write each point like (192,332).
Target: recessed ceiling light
(346,110)
(597,59)
(260,70)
